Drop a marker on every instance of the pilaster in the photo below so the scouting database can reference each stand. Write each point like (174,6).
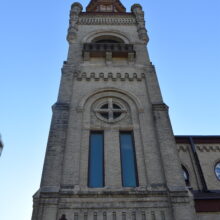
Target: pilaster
(56,144)
(168,149)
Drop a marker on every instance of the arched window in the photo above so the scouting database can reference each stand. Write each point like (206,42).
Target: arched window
(109,46)
(107,39)
(186,175)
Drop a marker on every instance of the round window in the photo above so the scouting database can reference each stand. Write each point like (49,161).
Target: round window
(110,111)
(217,170)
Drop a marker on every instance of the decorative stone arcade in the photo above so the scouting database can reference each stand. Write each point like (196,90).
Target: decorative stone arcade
(111,152)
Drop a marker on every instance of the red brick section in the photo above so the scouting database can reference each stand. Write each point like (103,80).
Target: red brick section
(212,205)
(198,139)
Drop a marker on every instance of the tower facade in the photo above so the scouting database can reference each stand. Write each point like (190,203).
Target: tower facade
(111,152)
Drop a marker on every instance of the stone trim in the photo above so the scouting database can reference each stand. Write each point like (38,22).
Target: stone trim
(201,148)
(110,91)
(60,106)
(183,148)
(110,32)
(122,213)
(205,148)
(87,19)
(160,107)
(98,110)
(109,76)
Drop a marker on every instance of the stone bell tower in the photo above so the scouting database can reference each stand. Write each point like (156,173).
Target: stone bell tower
(111,152)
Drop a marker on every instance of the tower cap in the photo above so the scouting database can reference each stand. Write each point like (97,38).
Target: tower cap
(94,6)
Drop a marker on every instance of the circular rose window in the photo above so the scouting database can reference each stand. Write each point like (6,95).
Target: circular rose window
(217,170)
(110,111)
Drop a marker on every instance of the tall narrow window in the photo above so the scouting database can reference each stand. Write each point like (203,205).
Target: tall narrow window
(128,160)
(186,175)
(96,160)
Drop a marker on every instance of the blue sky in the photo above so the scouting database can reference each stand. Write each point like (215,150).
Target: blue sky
(184,46)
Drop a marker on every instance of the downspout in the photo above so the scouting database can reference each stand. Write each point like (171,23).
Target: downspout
(201,175)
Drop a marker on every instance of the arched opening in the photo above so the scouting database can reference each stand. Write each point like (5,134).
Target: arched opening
(107,39)
(109,47)
(119,36)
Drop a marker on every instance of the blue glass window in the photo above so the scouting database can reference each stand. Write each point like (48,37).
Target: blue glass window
(128,160)
(96,160)
(217,170)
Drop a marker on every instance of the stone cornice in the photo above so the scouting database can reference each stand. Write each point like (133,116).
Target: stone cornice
(108,19)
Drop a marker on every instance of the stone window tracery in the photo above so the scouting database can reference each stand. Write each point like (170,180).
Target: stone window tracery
(111,110)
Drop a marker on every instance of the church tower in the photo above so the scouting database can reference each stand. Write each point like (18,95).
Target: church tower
(111,152)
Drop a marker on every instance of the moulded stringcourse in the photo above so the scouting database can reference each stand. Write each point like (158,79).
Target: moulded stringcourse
(109,76)
(183,148)
(160,107)
(208,148)
(108,20)
(201,148)
(116,215)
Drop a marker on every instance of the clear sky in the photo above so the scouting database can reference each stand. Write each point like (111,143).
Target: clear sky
(184,46)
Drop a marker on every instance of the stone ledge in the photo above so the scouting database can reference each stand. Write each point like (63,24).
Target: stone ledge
(160,107)
(61,106)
